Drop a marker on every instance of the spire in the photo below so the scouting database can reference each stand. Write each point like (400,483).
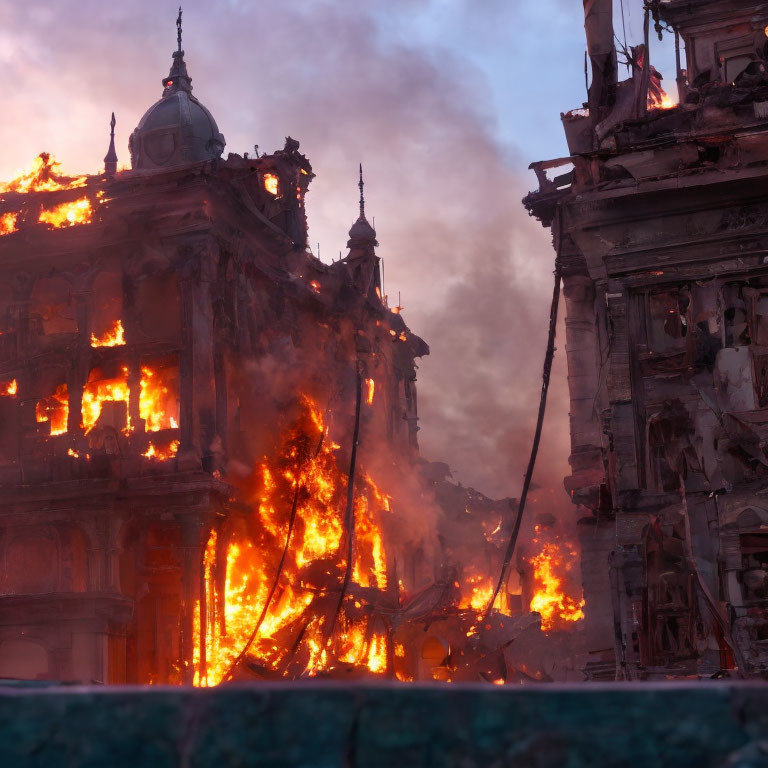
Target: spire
(362,233)
(361,184)
(110,161)
(177,79)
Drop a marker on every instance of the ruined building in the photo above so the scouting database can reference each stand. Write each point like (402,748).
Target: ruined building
(659,219)
(209,463)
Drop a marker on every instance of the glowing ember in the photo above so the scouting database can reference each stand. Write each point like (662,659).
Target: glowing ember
(158,401)
(55,410)
(8,223)
(114,337)
(101,391)
(72,452)
(42,176)
(160,453)
(68,214)
(8,388)
(315,286)
(298,500)
(271,183)
(558,609)
(370,386)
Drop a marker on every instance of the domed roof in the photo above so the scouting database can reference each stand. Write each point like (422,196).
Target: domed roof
(362,231)
(177,129)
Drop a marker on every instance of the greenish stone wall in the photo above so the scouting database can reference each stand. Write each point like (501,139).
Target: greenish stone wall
(325,725)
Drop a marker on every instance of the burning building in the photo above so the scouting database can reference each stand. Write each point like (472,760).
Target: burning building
(659,219)
(209,463)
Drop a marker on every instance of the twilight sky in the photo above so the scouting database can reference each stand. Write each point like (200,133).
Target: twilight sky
(445,102)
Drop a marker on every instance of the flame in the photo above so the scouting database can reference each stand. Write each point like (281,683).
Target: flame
(8,223)
(158,401)
(557,608)
(303,471)
(479,594)
(315,286)
(43,175)
(8,388)
(162,454)
(370,388)
(659,99)
(54,409)
(102,391)
(114,337)
(68,214)
(72,452)
(271,184)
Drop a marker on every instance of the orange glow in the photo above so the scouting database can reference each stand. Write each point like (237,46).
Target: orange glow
(72,452)
(8,388)
(43,175)
(370,389)
(158,400)
(304,468)
(660,101)
(68,214)
(160,453)
(477,593)
(271,184)
(315,286)
(558,609)
(54,410)
(114,337)
(96,393)
(8,223)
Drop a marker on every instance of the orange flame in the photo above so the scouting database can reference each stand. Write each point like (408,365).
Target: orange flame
(55,410)
(43,175)
(158,399)
(96,393)
(558,609)
(370,389)
(8,223)
(8,388)
(303,472)
(160,453)
(114,337)
(271,184)
(68,214)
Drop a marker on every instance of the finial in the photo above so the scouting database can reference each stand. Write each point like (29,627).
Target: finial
(178,29)
(361,184)
(110,161)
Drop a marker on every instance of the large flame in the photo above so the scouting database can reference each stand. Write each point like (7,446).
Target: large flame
(43,175)
(54,410)
(101,391)
(303,482)
(158,400)
(551,566)
(68,214)
(8,388)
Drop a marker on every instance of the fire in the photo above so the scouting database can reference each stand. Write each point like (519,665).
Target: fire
(158,401)
(315,286)
(284,565)
(160,453)
(370,385)
(8,388)
(8,223)
(55,410)
(271,183)
(114,337)
(558,609)
(68,214)
(98,392)
(42,176)
(72,452)
(479,595)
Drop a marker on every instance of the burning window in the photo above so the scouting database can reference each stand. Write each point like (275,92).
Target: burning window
(106,398)
(8,223)
(106,311)
(9,388)
(271,184)
(159,397)
(68,214)
(54,410)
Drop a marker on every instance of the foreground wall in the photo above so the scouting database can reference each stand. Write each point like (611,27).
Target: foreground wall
(317,725)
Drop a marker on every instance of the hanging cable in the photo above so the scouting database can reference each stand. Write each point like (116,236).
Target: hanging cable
(548,358)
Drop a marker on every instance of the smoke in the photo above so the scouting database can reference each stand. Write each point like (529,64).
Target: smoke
(353,82)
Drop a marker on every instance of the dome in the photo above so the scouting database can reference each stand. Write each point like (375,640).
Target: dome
(177,129)
(362,231)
